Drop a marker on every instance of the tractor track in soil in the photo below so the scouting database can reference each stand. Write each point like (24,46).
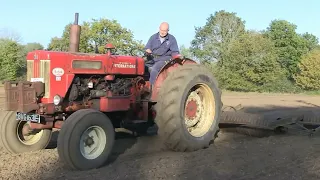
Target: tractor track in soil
(232,156)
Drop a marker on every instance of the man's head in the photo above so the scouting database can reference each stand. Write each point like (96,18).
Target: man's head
(163,29)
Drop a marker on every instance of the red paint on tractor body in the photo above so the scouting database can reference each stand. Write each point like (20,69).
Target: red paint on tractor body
(73,63)
(171,66)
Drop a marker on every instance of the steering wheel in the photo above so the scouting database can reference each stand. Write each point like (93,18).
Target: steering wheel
(147,56)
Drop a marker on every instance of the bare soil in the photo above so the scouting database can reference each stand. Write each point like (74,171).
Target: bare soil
(232,156)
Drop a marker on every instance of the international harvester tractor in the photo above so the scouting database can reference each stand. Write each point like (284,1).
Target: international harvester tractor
(88,96)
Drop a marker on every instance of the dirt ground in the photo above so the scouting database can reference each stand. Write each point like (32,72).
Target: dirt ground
(232,156)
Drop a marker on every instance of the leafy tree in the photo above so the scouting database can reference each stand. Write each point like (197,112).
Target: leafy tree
(187,53)
(311,41)
(96,34)
(62,43)
(212,41)
(11,59)
(290,45)
(58,44)
(308,76)
(250,64)
(33,46)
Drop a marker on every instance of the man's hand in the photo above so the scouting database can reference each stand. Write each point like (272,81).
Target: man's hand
(149,51)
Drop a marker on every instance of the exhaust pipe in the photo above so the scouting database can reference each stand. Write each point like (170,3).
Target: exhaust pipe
(75,31)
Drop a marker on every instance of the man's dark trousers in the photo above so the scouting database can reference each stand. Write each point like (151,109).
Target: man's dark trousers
(156,66)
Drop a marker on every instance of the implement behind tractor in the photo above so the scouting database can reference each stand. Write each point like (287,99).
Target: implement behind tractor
(88,96)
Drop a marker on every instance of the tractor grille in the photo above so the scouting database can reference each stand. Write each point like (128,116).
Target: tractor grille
(44,72)
(30,69)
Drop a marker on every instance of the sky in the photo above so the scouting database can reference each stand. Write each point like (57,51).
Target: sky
(39,21)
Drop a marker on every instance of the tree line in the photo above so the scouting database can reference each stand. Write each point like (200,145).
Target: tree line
(275,59)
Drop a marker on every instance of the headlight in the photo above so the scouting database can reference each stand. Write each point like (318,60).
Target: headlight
(56,100)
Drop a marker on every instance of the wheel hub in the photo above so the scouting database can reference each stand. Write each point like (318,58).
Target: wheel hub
(89,141)
(93,142)
(26,130)
(199,110)
(193,109)
(26,135)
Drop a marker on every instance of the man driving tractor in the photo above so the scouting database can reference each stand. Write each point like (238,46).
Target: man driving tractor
(162,46)
(100,93)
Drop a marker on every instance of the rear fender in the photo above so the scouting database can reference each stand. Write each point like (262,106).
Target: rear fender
(170,66)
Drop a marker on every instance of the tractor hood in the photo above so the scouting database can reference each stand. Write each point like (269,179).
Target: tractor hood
(57,69)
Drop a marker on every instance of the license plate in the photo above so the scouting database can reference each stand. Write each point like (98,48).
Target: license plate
(28,117)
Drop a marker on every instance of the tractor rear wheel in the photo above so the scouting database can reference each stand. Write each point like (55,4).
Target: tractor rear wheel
(17,137)
(86,140)
(189,108)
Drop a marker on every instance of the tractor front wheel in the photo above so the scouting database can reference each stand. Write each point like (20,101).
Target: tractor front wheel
(86,139)
(17,137)
(189,108)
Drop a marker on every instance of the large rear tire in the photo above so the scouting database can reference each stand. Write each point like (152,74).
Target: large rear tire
(86,130)
(189,108)
(16,138)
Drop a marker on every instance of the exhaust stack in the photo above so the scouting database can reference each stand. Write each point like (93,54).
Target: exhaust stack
(75,31)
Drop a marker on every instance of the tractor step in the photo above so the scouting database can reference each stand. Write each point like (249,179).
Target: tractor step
(124,130)
(137,126)
(138,121)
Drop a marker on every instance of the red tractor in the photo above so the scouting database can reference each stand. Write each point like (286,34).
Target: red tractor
(88,96)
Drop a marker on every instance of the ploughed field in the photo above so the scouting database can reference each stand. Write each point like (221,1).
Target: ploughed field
(232,156)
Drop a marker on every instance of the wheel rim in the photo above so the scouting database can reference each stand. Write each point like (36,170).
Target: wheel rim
(199,110)
(26,135)
(93,142)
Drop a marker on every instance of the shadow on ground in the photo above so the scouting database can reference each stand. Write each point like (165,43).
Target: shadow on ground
(232,156)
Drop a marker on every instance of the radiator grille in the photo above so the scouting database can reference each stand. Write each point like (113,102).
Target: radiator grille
(30,69)
(45,74)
